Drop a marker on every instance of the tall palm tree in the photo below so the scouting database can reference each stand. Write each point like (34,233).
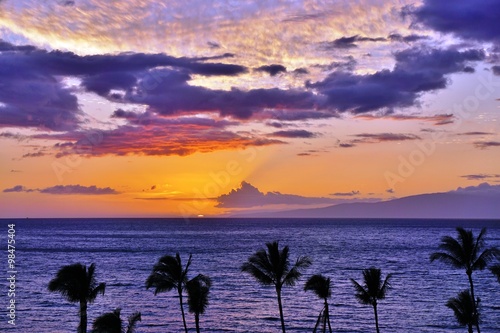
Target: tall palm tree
(78,284)
(273,268)
(112,323)
(466,252)
(168,273)
(463,307)
(495,269)
(373,289)
(198,289)
(320,285)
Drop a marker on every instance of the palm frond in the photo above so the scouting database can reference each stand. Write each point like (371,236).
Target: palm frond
(463,308)
(108,323)
(295,273)
(484,259)
(198,290)
(361,294)
(320,285)
(447,259)
(385,287)
(96,291)
(132,321)
(495,269)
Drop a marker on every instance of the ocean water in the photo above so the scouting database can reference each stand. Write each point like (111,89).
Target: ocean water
(125,250)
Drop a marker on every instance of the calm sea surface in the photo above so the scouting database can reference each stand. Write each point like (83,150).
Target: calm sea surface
(125,250)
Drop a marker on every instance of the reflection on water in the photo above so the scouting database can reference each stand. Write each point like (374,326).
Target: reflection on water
(125,251)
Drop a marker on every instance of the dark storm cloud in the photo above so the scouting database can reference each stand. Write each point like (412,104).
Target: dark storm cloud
(417,70)
(468,19)
(294,134)
(272,69)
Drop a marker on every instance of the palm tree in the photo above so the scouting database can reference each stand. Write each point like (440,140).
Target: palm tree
(495,269)
(320,285)
(78,284)
(273,268)
(463,307)
(198,289)
(466,251)
(373,289)
(112,323)
(168,274)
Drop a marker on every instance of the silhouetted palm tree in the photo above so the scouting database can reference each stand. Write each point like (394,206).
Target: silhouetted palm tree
(466,251)
(463,307)
(78,284)
(373,289)
(168,274)
(273,268)
(320,285)
(495,269)
(198,289)
(112,323)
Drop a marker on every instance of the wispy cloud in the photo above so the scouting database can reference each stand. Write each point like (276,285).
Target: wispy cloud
(480,176)
(486,144)
(294,134)
(439,119)
(65,190)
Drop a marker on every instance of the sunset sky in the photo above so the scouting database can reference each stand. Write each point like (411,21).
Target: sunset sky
(186,108)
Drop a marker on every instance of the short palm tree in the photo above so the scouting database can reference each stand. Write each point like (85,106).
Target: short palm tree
(272,267)
(495,269)
(78,284)
(321,286)
(373,289)
(198,289)
(466,252)
(112,323)
(463,307)
(168,273)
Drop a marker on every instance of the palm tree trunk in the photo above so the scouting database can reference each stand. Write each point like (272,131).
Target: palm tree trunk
(82,328)
(476,315)
(328,316)
(179,290)
(197,322)
(282,318)
(324,322)
(376,317)
(470,328)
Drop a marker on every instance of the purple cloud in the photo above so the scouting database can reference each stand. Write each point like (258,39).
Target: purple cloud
(273,69)
(17,188)
(345,194)
(66,189)
(480,176)
(248,195)
(294,134)
(349,42)
(486,144)
(417,70)
(467,19)
(78,189)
